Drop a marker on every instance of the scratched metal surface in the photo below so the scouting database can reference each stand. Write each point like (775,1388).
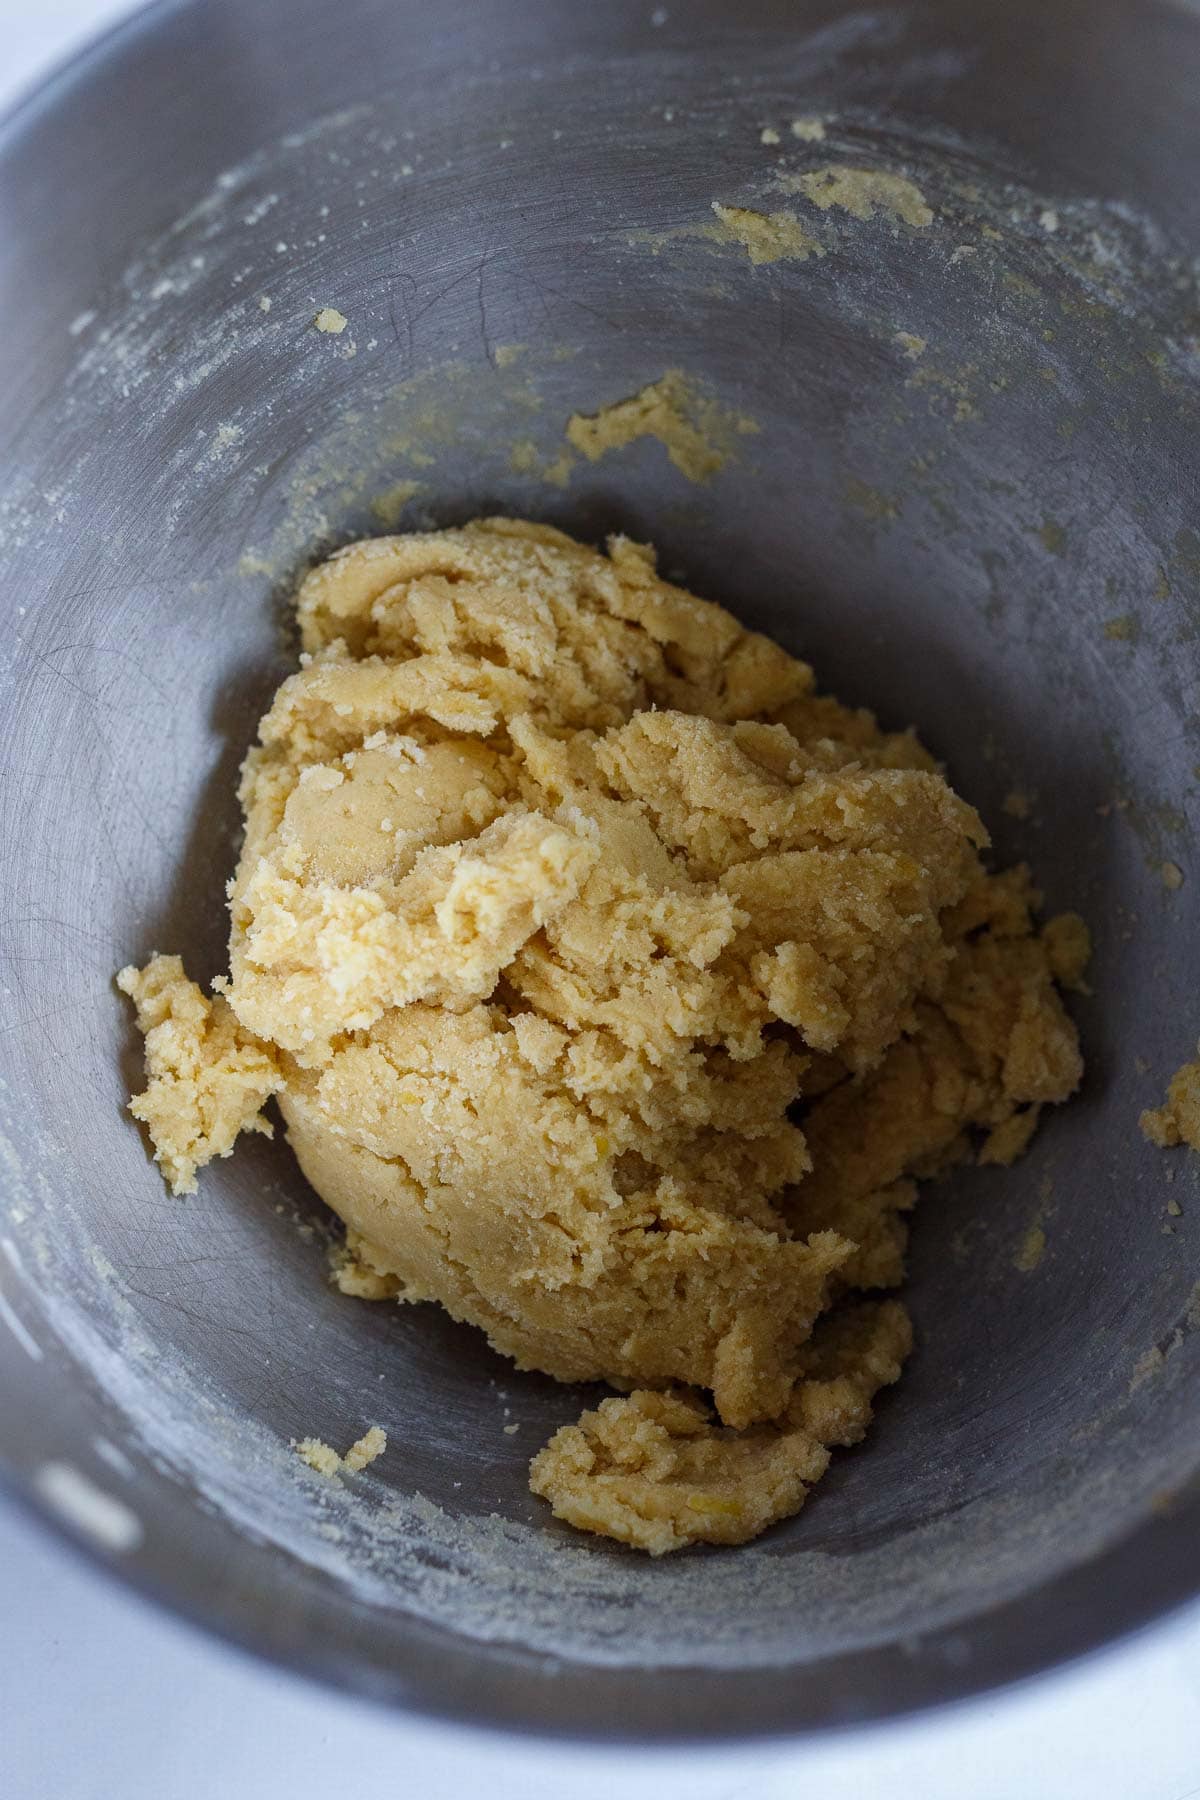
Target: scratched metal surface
(996,538)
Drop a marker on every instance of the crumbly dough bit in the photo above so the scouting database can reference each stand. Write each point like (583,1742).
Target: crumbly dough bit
(1177,1120)
(324,1459)
(651,1470)
(696,434)
(862,192)
(1068,944)
(654,1470)
(321,1457)
(354,1272)
(1010,1139)
(370,1446)
(766,237)
(208,1078)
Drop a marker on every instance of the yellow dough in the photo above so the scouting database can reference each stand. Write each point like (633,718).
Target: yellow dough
(613,986)
(1177,1120)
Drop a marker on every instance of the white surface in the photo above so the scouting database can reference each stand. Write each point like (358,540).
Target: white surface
(34,37)
(103,1699)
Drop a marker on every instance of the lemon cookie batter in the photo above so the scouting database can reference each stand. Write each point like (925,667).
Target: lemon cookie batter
(613,985)
(1177,1120)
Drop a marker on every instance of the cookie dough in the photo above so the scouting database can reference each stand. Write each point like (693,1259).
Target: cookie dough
(698,435)
(324,1459)
(766,237)
(654,1471)
(614,986)
(1177,1120)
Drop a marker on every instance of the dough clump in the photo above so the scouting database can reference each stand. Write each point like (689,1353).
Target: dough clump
(614,986)
(1177,1120)
(324,1459)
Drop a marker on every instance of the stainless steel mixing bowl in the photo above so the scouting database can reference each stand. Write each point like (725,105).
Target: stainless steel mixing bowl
(995,536)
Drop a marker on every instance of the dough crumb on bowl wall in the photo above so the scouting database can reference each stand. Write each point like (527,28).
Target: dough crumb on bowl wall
(1177,1120)
(324,1460)
(614,984)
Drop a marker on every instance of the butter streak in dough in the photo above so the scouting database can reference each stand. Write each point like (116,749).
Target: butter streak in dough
(561,897)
